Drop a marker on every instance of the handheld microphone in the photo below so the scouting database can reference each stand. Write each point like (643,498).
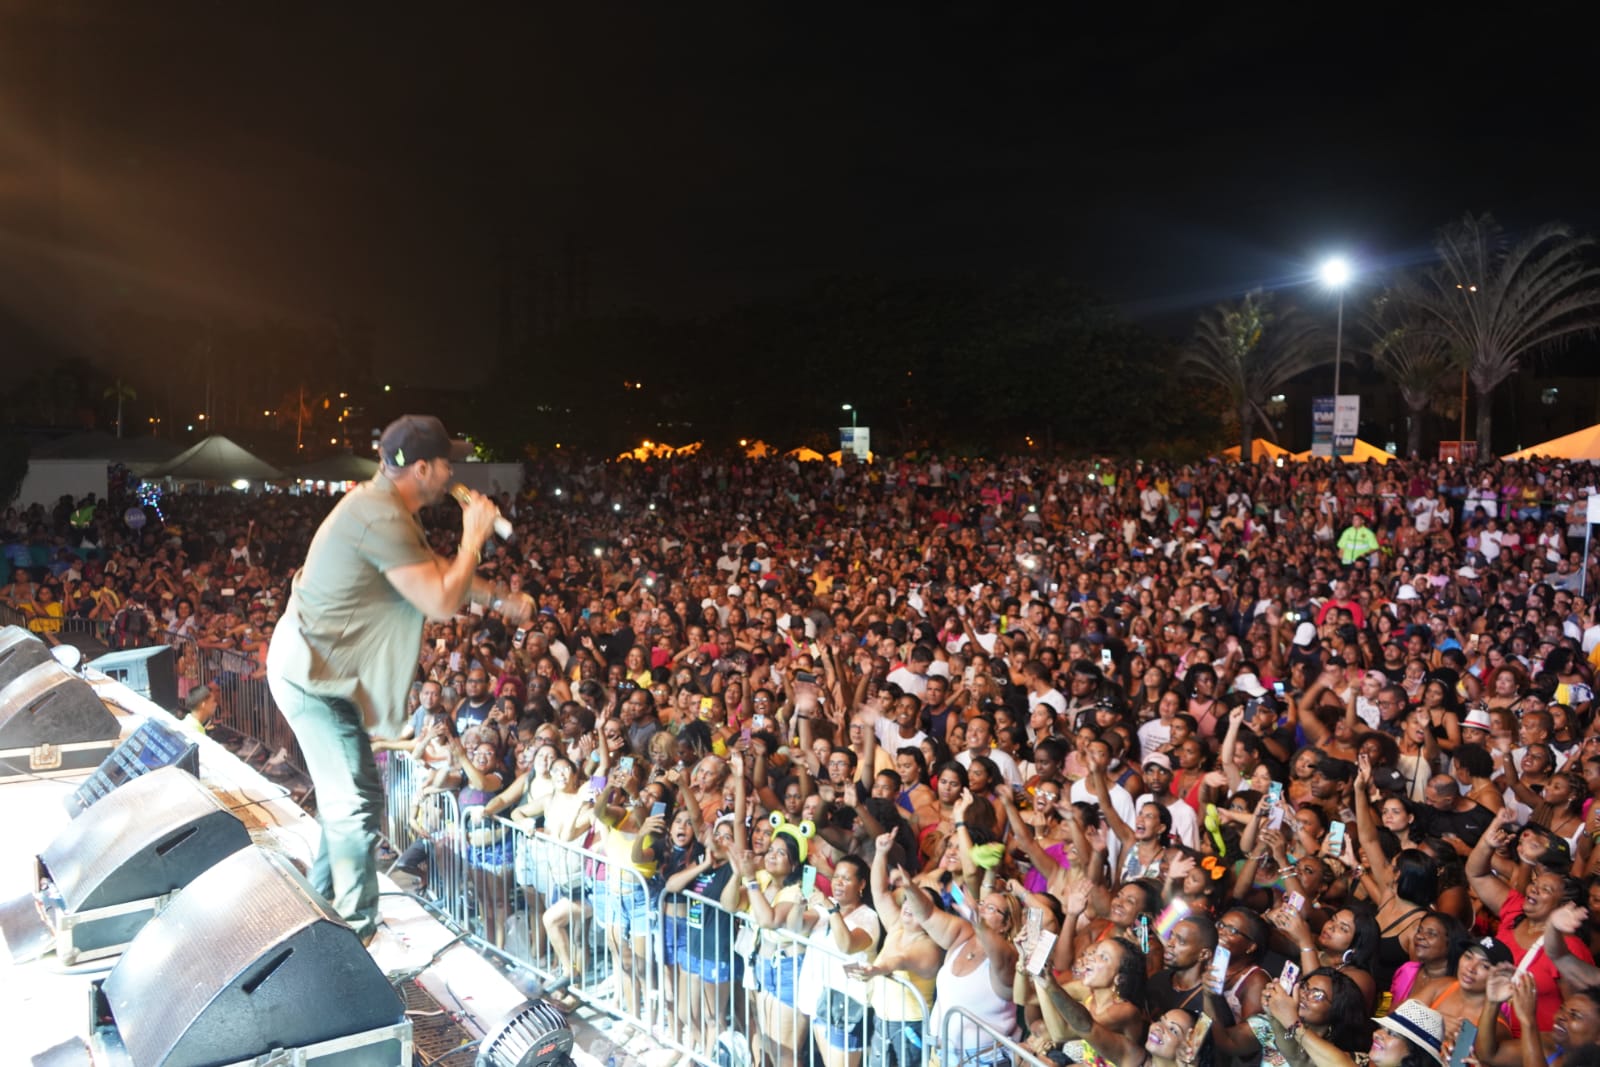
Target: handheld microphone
(463,495)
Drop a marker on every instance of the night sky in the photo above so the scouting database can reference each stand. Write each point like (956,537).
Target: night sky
(389,165)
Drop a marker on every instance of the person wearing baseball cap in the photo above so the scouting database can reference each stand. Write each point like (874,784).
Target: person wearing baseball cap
(343,654)
(1158,790)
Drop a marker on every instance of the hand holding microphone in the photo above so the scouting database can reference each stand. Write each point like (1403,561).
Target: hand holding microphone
(471,502)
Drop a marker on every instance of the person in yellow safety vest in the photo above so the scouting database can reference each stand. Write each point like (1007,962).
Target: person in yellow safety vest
(1356,541)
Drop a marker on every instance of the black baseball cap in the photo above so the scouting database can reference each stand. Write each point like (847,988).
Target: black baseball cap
(418,437)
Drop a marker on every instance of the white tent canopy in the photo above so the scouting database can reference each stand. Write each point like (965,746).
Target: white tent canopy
(216,459)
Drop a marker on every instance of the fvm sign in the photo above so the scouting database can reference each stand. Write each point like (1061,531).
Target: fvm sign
(1335,421)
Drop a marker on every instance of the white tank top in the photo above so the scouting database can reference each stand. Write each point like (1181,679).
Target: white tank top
(975,993)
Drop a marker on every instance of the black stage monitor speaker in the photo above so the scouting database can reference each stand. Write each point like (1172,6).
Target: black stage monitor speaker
(153,836)
(150,672)
(19,650)
(52,723)
(49,705)
(248,958)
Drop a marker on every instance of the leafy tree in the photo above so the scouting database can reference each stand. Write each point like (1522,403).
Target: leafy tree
(1419,362)
(1249,350)
(1499,301)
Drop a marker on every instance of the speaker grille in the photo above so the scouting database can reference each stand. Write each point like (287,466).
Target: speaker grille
(48,704)
(155,834)
(246,959)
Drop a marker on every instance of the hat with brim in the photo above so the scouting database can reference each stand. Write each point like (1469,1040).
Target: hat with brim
(1389,780)
(1491,949)
(412,438)
(1477,719)
(1420,1025)
(1249,683)
(1305,634)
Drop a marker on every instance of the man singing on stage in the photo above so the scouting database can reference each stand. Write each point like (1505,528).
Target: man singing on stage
(344,654)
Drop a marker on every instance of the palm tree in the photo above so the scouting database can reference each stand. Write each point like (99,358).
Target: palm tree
(121,391)
(1497,302)
(1418,361)
(1251,351)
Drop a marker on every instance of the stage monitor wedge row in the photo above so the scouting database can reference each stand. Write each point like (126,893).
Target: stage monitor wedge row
(154,835)
(19,650)
(248,959)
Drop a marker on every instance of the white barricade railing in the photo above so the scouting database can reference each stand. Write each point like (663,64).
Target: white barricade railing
(965,1040)
(669,965)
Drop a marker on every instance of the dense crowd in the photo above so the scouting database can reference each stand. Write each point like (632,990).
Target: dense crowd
(1243,763)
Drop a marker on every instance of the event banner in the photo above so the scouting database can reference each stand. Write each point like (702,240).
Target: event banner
(1334,423)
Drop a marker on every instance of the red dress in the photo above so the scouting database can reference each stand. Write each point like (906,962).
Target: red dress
(1544,972)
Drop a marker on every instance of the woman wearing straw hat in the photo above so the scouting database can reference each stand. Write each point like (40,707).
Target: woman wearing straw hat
(1410,1036)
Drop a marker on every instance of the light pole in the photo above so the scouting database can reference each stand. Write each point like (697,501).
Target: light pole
(1336,275)
(852,411)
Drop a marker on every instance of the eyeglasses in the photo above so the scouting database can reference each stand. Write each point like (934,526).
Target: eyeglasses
(1313,993)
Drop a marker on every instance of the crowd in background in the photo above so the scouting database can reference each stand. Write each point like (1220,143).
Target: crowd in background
(1047,740)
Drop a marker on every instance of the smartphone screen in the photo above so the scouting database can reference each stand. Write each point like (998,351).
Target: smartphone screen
(597,784)
(808,881)
(625,765)
(1277,689)
(658,810)
(1275,794)
(1039,958)
(1197,1036)
(1218,973)
(1335,838)
(744,737)
(1465,1038)
(1290,976)
(1105,658)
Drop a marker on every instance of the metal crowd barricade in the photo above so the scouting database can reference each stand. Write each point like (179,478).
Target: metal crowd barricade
(975,1043)
(401,780)
(559,911)
(244,699)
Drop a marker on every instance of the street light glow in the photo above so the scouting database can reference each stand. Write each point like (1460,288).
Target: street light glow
(1335,272)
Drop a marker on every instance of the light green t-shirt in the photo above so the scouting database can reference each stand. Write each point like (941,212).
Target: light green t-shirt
(346,631)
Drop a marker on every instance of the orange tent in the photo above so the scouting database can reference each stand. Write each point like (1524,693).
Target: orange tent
(1361,453)
(1584,444)
(1260,449)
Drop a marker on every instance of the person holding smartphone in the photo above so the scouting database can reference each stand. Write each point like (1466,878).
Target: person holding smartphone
(624,898)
